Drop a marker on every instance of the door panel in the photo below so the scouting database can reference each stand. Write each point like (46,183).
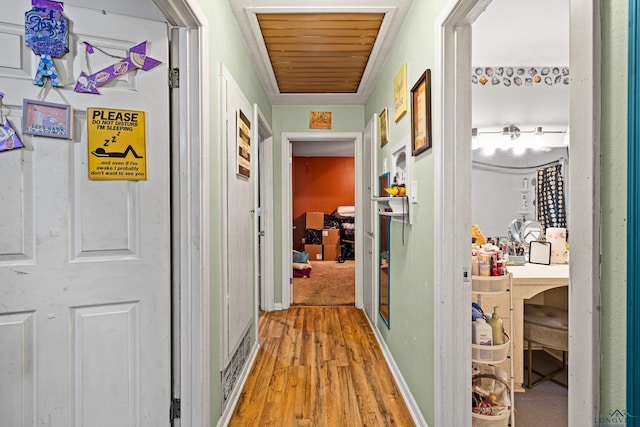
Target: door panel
(239,228)
(84,265)
(370,264)
(369,279)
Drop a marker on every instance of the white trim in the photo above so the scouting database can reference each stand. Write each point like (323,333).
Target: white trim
(277,306)
(368,225)
(452,368)
(190,184)
(225,418)
(452,126)
(286,220)
(223,76)
(266,211)
(584,219)
(412,405)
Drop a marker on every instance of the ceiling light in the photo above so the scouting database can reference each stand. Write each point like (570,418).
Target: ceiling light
(512,131)
(512,138)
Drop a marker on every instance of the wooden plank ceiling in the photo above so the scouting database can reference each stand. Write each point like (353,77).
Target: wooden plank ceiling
(319,52)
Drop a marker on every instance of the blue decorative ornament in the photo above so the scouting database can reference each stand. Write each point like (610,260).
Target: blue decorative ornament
(47,34)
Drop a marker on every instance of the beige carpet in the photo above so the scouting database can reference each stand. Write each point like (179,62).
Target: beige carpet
(331,283)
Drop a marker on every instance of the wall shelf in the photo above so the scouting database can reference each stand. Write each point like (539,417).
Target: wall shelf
(397,208)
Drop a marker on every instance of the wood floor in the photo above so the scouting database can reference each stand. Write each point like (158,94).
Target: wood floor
(320,367)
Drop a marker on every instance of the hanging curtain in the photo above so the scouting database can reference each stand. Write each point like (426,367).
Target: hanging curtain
(550,197)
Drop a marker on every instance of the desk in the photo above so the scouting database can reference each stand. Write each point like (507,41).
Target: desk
(528,281)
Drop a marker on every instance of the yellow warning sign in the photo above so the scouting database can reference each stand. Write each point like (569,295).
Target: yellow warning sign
(117,144)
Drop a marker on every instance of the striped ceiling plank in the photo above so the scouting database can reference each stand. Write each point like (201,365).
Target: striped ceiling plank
(319,52)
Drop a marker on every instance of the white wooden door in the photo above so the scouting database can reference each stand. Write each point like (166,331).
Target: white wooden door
(370,141)
(84,265)
(239,223)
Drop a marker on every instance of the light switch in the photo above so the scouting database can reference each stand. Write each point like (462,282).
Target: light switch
(414,191)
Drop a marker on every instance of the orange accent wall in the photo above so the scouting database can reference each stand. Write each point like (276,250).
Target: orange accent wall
(320,184)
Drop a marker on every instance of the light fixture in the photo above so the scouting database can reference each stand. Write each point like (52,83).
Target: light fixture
(512,131)
(511,137)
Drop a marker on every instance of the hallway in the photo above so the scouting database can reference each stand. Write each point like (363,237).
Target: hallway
(319,366)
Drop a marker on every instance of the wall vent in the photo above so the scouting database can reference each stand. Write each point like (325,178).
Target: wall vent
(232,372)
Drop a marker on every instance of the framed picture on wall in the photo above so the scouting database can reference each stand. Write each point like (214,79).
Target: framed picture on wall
(421,114)
(383,123)
(244,145)
(400,93)
(46,119)
(320,120)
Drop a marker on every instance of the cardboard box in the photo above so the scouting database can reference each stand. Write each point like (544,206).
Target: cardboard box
(314,251)
(331,252)
(314,220)
(330,236)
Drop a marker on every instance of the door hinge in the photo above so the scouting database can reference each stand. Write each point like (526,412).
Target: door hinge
(174,411)
(174,78)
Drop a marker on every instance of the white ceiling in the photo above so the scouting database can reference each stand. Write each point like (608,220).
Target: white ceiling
(139,8)
(323,148)
(508,33)
(521,33)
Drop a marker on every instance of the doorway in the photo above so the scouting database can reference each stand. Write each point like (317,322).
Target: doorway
(323,213)
(354,138)
(453,193)
(527,96)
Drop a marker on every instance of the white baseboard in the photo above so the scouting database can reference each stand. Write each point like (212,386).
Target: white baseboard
(277,306)
(226,414)
(414,410)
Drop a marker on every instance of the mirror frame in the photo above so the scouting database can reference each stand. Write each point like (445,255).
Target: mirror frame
(384,235)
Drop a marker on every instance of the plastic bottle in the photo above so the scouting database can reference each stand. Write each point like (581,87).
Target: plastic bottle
(482,335)
(484,267)
(496,327)
(477,233)
(475,269)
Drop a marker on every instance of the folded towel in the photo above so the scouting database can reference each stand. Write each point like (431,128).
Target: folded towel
(301,266)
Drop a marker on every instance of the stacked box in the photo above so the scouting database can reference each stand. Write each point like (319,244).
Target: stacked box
(319,242)
(331,252)
(314,251)
(314,220)
(330,236)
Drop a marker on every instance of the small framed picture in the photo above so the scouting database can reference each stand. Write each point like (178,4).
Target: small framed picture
(320,120)
(421,114)
(384,127)
(46,119)
(244,145)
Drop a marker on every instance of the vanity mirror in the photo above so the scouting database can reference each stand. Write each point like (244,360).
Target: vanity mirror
(525,232)
(508,191)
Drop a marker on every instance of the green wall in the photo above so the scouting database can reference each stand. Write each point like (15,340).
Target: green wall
(613,195)
(410,336)
(344,118)
(227,46)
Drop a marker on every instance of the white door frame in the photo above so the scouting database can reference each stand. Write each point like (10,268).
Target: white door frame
(264,287)
(190,210)
(452,124)
(371,262)
(287,221)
